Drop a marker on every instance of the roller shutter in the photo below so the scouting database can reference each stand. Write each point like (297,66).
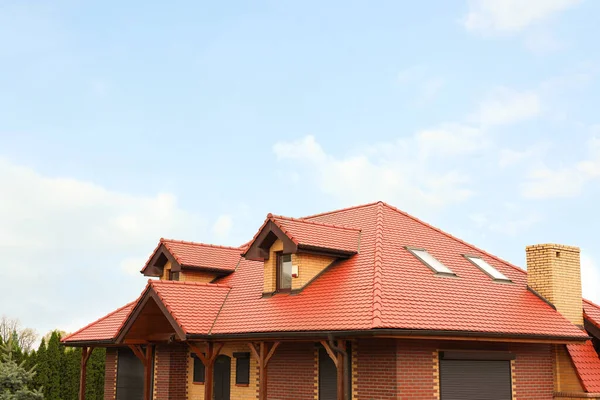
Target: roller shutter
(475,380)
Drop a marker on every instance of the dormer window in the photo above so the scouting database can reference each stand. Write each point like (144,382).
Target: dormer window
(173,276)
(284,272)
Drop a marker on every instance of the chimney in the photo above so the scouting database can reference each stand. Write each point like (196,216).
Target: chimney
(554,271)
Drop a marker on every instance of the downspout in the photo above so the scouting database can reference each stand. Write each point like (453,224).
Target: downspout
(344,353)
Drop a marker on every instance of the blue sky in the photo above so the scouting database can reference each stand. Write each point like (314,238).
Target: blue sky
(121,122)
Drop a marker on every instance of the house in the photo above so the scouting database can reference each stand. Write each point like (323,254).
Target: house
(365,303)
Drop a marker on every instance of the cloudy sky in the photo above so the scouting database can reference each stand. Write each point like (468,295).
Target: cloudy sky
(121,122)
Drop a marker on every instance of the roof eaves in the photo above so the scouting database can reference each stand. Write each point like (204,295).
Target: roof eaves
(66,338)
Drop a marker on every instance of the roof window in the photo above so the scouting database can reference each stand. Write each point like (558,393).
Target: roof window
(431,262)
(488,269)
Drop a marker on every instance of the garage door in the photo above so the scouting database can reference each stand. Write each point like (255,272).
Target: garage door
(475,379)
(130,376)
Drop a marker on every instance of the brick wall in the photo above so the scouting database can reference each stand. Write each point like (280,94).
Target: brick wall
(565,375)
(309,265)
(417,370)
(170,376)
(534,371)
(110,374)
(377,369)
(291,372)
(197,276)
(554,271)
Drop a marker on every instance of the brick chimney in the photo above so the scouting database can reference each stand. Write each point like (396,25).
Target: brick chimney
(554,271)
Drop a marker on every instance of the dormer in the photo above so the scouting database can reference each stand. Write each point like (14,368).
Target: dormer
(176,260)
(296,251)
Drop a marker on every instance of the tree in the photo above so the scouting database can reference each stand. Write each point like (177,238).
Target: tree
(54,357)
(41,378)
(15,380)
(25,338)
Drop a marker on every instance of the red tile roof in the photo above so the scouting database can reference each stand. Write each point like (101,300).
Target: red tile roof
(319,235)
(587,364)
(104,329)
(194,306)
(382,286)
(200,255)
(385,286)
(591,312)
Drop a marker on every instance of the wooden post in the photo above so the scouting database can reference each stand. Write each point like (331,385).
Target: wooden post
(263,355)
(208,359)
(85,356)
(146,359)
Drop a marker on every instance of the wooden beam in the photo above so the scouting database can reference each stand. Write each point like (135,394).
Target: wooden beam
(329,350)
(271,352)
(199,353)
(263,354)
(86,352)
(139,353)
(148,373)
(341,365)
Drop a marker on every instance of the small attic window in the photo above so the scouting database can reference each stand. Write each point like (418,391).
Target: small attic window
(488,269)
(431,262)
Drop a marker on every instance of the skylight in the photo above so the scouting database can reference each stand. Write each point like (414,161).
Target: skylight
(488,269)
(431,262)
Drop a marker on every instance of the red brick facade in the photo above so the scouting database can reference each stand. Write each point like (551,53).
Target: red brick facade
(110,374)
(386,369)
(534,372)
(170,379)
(291,372)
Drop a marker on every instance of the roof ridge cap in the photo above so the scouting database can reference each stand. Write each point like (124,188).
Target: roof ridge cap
(377,269)
(154,282)
(341,210)
(164,240)
(316,223)
(453,237)
(591,302)
(110,314)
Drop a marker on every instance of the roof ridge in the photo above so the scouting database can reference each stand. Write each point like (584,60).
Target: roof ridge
(315,222)
(341,210)
(99,319)
(188,283)
(219,312)
(163,240)
(167,306)
(377,269)
(591,302)
(453,237)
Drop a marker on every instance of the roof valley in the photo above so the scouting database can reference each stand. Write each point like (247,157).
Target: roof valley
(378,269)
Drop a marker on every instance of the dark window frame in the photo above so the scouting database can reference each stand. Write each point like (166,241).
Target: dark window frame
(201,372)
(242,378)
(279,265)
(173,276)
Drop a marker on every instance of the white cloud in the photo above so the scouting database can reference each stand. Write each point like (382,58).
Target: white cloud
(72,248)
(509,16)
(564,181)
(426,170)
(222,226)
(506,106)
(590,278)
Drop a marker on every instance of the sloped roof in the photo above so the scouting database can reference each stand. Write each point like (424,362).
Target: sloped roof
(199,255)
(587,365)
(319,235)
(592,312)
(303,234)
(194,306)
(383,286)
(103,329)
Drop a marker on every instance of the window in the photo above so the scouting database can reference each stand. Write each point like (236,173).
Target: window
(173,276)
(198,369)
(488,269)
(242,368)
(284,272)
(431,262)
